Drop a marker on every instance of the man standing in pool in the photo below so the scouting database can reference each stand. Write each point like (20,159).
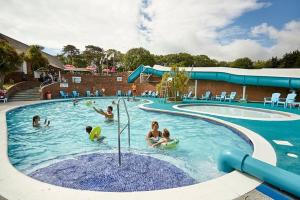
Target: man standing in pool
(108,114)
(154,135)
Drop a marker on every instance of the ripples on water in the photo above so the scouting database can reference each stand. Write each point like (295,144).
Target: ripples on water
(197,152)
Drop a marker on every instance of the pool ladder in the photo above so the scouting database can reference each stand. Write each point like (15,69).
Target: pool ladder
(119,127)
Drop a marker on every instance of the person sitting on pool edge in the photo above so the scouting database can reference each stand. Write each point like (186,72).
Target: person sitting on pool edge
(154,135)
(36,121)
(108,114)
(165,138)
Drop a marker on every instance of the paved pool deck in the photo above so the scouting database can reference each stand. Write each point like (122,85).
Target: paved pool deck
(270,130)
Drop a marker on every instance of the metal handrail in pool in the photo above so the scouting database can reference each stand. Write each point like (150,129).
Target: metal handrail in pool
(119,127)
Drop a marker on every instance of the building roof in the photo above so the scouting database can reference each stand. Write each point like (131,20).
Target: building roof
(22,48)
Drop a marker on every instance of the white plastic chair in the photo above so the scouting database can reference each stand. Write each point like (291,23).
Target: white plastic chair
(289,100)
(221,97)
(272,100)
(230,97)
(206,95)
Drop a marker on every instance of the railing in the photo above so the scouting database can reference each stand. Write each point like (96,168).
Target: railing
(119,127)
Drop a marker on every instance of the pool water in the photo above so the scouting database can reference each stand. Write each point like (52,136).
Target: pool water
(32,148)
(237,112)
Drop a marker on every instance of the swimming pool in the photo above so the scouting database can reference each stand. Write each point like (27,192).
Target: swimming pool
(31,148)
(238,112)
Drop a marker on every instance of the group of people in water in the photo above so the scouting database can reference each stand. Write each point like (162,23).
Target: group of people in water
(154,137)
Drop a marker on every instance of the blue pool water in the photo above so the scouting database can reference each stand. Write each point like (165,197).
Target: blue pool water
(32,148)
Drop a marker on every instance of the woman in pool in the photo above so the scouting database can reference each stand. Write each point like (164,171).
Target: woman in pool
(108,114)
(36,121)
(165,138)
(154,135)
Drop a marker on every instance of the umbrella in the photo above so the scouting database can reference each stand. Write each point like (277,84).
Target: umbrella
(92,68)
(69,67)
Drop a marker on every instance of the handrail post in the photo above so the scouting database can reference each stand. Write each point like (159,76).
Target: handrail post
(119,134)
(119,127)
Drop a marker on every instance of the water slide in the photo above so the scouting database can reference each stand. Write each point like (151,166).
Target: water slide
(287,78)
(280,178)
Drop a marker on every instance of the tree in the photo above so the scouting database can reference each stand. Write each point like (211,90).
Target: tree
(242,63)
(93,54)
(289,60)
(177,82)
(9,60)
(259,64)
(137,56)
(70,52)
(35,57)
(204,61)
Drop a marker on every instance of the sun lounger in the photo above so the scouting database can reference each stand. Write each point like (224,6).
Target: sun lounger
(75,94)
(188,96)
(272,100)
(63,95)
(88,93)
(231,97)
(206,96)
(288,101)
(221,96)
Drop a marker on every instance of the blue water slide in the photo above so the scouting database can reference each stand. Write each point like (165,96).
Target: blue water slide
(287,82)
(280,178)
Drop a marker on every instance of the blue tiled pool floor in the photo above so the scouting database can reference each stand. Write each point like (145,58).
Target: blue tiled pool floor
(101,172)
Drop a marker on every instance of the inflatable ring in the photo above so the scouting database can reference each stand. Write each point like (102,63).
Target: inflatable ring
(170,145)
(95,133)
(88,103)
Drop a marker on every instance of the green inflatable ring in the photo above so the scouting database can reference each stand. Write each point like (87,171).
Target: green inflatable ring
(170,145)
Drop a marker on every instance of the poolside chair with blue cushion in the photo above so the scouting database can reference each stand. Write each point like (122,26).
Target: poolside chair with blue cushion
(88,93)
(206,96)
(75,94)
(288,101)
(221,96)
(129,93)
(230,97)
(63,95)
(119,93)
(272,100)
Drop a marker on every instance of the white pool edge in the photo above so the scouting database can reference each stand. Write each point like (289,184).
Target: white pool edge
(290,116)
(16,185)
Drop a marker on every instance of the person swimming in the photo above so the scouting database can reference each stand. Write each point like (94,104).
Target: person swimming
(154,135)
(108,114)
(36,121)
(75,101)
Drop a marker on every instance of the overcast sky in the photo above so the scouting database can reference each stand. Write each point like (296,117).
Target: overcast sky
(224,30)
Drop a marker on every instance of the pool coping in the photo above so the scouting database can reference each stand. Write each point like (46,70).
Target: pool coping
(290,116)
(16,185)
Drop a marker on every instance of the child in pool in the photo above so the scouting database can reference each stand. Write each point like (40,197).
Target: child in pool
(165,138)
(36,121)
(108,114)
(75,101)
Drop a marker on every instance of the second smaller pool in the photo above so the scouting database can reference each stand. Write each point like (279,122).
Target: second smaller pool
(238,112)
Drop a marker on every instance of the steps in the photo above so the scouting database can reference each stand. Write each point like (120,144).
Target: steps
(32,94)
